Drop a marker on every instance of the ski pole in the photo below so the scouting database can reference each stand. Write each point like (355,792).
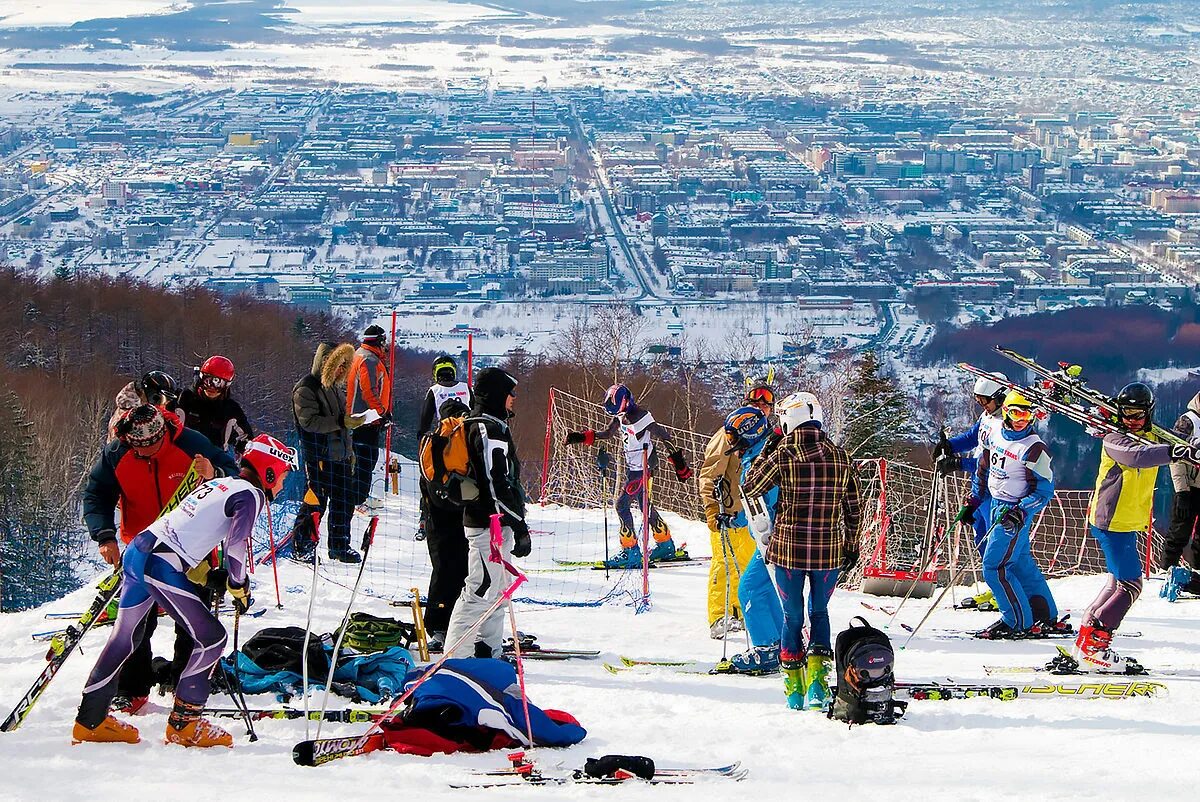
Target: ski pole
(512,620)
(239,697)
(368,539)
(953,580)
(274,558)
(312,595)
(304,753)
(719,486)
(928,542)
(602,463)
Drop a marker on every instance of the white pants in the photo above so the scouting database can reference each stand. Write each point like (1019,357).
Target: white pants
(486,580)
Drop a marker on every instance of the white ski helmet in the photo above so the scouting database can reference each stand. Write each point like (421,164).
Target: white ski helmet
(798,409)
(989,388)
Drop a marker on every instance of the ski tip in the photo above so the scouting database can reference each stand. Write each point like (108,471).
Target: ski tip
(303,753)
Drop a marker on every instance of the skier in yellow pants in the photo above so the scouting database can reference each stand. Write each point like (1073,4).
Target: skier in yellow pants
(720,493)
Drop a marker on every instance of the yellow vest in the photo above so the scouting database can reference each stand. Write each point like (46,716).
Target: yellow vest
(1133,489)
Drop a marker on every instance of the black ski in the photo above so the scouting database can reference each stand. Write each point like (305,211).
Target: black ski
(348,716)
(109,587)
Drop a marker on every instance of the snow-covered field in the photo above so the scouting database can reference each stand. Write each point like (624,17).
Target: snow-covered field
(974,749)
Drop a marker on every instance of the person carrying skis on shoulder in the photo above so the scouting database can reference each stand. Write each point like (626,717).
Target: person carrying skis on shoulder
(1183,537)
(494,463)
(756,592)
(319,410)
(638,430)
(1014,466)
(815,537)
(1119,517)
(368,395)
(446,386)
(162,567)
(139,472)
(720,472)
(208,407)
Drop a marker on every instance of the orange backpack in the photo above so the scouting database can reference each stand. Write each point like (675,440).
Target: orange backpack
(445,463)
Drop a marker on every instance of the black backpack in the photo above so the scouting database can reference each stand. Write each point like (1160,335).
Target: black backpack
(864,661)
(282,649)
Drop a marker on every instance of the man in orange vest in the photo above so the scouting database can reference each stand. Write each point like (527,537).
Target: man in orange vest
(369,407)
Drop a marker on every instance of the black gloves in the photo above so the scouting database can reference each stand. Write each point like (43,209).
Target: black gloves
(575,438)
(948,464)
(1013,519)
(849,558)
(680,465)
(966,514)
(724,519)
(603,460)
(773,440)
(522,543)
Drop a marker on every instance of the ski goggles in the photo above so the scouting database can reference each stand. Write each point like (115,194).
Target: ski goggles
(1020,414)
(1133,414)
(761,395)
(214,382)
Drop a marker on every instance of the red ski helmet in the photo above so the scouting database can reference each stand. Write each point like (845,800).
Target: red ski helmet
(270,459)
(218,367)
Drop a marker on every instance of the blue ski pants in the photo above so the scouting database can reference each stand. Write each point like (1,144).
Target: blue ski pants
(791,595)
(761,610)
(1013,575)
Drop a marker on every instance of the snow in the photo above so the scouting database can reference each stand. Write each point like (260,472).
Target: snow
(965,750)
(29,13)
(325,12)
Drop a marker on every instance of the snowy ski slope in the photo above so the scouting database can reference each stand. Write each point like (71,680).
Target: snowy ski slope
(975,749)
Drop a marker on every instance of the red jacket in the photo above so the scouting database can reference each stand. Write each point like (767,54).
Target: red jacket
(142,487)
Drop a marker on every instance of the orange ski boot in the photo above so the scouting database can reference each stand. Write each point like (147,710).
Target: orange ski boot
(109,731)
(186,727)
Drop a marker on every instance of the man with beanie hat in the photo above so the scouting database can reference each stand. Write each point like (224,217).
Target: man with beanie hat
(368,390)
(497,470)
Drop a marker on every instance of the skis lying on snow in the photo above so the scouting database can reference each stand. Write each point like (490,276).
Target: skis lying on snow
(532,650)
(942,691)
(722,667)
(348,716)
(108,587)
(640,770)
(598,565)
(1065,664)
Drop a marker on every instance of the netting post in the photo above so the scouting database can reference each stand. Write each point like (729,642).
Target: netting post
(470,354)
(546,447)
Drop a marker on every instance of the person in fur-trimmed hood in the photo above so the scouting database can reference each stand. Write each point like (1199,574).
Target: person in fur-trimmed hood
(319,407)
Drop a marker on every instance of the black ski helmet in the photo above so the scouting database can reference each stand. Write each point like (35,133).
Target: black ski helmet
(158,388)
(1136,397)
(445,364)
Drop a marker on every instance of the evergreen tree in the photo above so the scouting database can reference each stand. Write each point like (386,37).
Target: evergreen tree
(39,541)
(878,419)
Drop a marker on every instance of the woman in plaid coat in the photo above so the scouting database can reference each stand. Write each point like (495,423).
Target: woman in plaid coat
(814,538)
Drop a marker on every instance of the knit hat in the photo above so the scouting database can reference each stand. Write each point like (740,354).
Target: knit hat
(374,335)
(128,398)
(143,426)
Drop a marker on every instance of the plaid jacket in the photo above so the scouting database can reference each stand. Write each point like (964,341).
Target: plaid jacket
(819,500)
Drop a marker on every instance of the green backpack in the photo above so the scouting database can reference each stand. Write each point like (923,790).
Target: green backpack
(369,633)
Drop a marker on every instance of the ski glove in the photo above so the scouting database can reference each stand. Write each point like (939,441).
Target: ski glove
(587,437)
(948,464)
(603,460)
(1185,452)
(242,600)
(723,520)
(966,514)
(522,543)
(1013,519)
(773,441)
(680,465)
(849,558)
(942,448)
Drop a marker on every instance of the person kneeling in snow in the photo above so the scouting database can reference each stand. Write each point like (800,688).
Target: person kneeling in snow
(159,568)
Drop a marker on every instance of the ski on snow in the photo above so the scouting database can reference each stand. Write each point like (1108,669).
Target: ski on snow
(348,716)
(1065,664)
(525,772)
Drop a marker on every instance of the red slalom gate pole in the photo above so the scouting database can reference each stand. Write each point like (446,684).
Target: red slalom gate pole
(387,438)
(546,447)
(274,557)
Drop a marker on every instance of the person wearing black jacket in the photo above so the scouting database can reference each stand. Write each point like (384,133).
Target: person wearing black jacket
(497,472)
(319,408)
(208,407)
(448,551)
